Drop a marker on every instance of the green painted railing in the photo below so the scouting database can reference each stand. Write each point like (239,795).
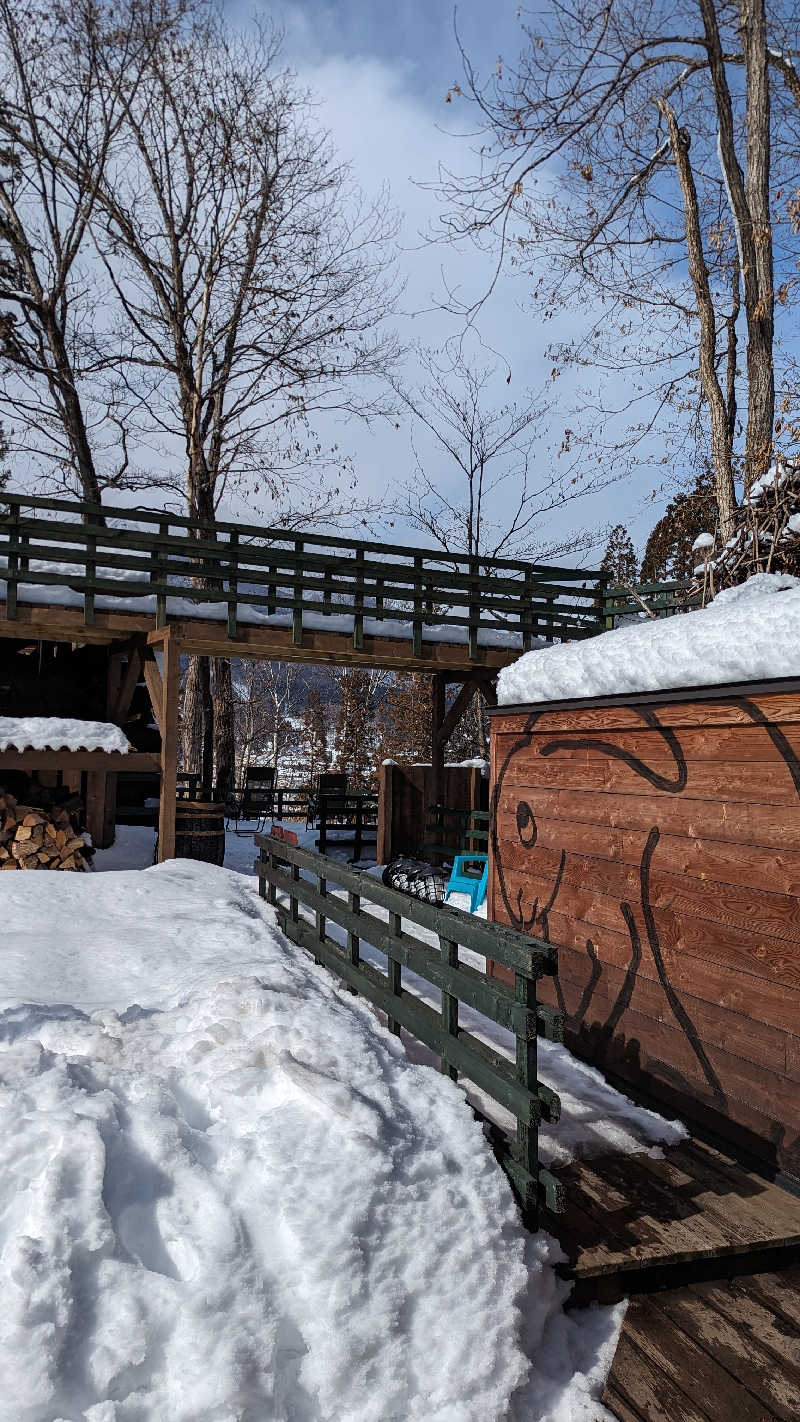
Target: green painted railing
(641,599)
(238,573)
(312,892)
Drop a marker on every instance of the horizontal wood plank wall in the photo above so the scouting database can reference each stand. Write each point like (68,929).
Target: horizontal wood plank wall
(659,847)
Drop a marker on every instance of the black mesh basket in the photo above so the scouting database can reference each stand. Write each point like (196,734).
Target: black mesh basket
(415,877)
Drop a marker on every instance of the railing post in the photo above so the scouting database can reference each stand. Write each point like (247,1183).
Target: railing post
(353,941)
(158,575)
(322,890)
(417,613)
(297,601)
(358,619)
(91,573)
(527,618)
(15,542)
(449,951)
(233,583)
(394,971)
(528,1131)
(474,609)
(294,905)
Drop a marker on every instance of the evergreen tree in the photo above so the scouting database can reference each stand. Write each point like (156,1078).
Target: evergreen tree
(315,756)
(619,558)
(668,555)
(356,750)
(405,723)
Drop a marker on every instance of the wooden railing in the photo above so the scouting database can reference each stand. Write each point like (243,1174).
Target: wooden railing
(236,572)
(658,599)
(341,914)
(354,812)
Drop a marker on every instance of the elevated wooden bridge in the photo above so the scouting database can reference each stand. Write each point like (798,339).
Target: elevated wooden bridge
(227,589)
(137,580)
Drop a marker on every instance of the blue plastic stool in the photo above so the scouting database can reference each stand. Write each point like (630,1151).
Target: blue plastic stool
(462,883)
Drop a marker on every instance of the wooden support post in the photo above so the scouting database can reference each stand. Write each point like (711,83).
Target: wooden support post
(155,687)
(438,690)
(169,748)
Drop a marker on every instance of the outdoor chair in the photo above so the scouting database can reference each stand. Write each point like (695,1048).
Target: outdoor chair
(462,882)
(329,782)
(254,799)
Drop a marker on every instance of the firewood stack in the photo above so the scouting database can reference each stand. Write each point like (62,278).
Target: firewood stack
(33,837)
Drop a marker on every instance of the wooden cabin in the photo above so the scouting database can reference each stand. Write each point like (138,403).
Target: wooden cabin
(655,838)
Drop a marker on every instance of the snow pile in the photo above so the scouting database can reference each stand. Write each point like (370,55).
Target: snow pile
(747,633)
(60,733)
(227,1194)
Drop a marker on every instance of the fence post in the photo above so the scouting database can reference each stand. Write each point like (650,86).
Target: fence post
(417,614)
(91,574)
(14,545)
(233,582)
(297,596)
(322,890)
(528,1131)
(449,951)
(358,620)
(394,971)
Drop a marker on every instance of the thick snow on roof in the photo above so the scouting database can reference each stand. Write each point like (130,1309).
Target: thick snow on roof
(60,733)
(227,1192)
(747,633)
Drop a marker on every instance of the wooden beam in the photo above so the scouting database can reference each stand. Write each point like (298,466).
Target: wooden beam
(456,711)
(155,687)
(130,681)
(438,689)
(260,643)
(75,762)
(169,747)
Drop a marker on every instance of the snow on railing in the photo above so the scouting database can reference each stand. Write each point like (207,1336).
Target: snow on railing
(151,561)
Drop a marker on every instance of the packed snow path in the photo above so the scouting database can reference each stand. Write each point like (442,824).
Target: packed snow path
(228,1196)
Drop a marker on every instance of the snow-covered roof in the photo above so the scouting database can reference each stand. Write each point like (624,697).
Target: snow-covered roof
(748,633)
(23,733)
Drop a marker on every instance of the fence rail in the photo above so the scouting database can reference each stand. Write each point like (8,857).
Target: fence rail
(658,599)
(241,573)
(307,888)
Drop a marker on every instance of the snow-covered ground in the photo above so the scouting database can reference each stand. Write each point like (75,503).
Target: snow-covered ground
(228,1195)
(747,633)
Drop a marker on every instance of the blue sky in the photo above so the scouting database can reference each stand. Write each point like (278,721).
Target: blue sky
(381,71)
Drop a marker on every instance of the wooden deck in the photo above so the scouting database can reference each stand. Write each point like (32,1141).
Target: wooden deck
(725,1352)
(709,1254)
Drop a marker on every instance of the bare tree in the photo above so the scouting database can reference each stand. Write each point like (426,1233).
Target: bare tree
(489,496)
(251,278)
(642,161)
(63,75)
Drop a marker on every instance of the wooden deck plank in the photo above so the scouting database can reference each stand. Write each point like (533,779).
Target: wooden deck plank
(636,1222)
(672,1343)
(644,1392)
(757,1371)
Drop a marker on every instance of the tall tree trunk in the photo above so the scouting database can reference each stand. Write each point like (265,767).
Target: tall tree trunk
(198,721)
(224,743)
(721,453)
(760,316)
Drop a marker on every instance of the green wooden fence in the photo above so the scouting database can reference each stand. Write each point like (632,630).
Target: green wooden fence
(311,892)
(237,573)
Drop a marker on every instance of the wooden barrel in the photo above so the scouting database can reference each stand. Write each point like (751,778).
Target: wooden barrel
(200,831)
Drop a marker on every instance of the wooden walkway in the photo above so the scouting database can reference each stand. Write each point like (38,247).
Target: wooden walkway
(709,1255)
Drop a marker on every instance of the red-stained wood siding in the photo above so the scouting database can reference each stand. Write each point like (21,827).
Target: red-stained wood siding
(659,846)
